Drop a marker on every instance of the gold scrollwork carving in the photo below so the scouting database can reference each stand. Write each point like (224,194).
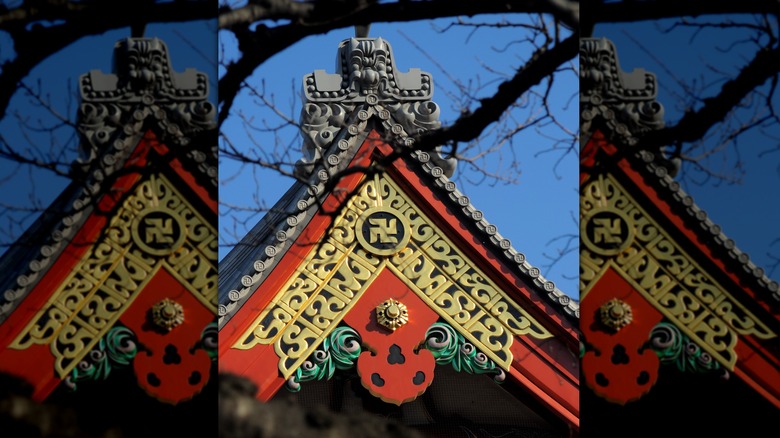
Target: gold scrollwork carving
(295,345)
(663,272)
(335,273)
(344,231)
(647,272)
(324,308)
(350,276)
(479,288)
(154,228)
(492,337)
(427,279)
(450,262)
(100,309)
(518,321)
(200,273)
(670,258)
(457,305)
(328,258)
(299,292)
(269,325)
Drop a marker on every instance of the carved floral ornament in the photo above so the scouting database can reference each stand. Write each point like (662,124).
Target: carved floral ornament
(167,314)
(334,276)
(392,314)
(615,314)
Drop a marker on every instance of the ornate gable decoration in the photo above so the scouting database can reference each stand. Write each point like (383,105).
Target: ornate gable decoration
(618,234)
(383,290)
(335,122)
(380,230)
(116,109)
(650,299)
(155,229)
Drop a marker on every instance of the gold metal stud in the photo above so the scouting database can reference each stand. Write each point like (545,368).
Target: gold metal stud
(167,314)
(392,314)
(615,314)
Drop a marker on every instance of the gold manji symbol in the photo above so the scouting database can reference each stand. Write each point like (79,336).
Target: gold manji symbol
(158,232)
(606,232)
(382,231)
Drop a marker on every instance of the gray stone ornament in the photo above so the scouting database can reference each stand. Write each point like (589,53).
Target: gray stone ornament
(625,102)
(367,84)
(143,87)
(367,73)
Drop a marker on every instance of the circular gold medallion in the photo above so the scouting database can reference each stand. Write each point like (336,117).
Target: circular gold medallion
(616,314)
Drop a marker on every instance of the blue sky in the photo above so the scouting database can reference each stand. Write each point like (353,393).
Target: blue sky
(191,45)
(538,207)
(747,204)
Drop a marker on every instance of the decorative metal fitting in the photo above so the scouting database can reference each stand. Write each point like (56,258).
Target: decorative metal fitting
(392,314)
(167,314)
(615,314)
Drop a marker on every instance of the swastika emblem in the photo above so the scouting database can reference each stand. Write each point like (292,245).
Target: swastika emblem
(382,231)
(158,232)
(606,232)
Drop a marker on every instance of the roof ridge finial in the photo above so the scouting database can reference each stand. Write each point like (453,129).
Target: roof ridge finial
(137,29)
(625,101)
(366,82)
(361,30)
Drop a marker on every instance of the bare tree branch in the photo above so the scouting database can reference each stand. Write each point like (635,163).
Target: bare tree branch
(649,10)
(695,124)
(543,63)
(320,17)
(40,28)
